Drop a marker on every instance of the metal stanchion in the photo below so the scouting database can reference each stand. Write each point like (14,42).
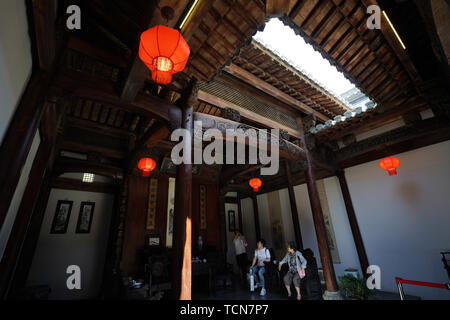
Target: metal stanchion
(400,289)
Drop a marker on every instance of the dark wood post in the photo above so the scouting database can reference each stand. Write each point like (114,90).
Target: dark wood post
(364,262)
(19,137)
(182,236)
(256,216)
(241,226)
(294,212)
(223,225)
(24,216)
(319,223)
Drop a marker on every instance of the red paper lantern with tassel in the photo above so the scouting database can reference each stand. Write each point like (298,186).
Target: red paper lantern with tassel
(146,165)
(164,51)
(255,183)
(390,164)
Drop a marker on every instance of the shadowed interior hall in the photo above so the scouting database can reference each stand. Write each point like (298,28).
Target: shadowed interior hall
(93,95)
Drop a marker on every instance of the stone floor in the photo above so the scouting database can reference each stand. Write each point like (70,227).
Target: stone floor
(236,291)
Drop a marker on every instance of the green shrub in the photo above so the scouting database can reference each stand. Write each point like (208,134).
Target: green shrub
(354,288)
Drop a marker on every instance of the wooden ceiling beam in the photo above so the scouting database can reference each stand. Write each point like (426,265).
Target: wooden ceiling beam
(252,116)
(71,83)
(44,26)
(150,139)
(71,165)
(287,149)
(273,91)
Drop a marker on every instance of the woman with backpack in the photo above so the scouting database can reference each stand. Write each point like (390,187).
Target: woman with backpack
(297,266)
(262,255)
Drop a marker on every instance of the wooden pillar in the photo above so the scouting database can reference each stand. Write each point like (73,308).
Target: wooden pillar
(256,216)
(182,236)
(364,262)
(241,226)
(294,212)
(17,141)
(223,225)
(23,218)
(25,259)
(319,223)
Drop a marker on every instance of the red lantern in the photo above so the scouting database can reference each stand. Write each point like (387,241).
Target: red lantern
(146,165)
(164,51)
(390,164)
(255,183)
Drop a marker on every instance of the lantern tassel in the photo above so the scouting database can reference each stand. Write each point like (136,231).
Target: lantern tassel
(146,173)
(392,172)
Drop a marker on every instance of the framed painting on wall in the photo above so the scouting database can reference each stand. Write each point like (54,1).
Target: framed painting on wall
(153,240)
(62,217)
(85,217)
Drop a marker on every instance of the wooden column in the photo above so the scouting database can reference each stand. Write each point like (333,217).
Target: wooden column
(319,222)
(241,226)
(223,225)
(364,262)
(25,259)
(256,216)
(18,139)
(23,218)
(294,212)
(182,236)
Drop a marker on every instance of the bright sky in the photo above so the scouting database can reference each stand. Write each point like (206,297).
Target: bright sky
(292,48)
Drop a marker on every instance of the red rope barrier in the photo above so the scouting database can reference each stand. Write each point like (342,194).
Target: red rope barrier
(421,283)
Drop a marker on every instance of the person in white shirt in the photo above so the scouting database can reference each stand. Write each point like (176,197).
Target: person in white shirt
(262,255)
(240,244)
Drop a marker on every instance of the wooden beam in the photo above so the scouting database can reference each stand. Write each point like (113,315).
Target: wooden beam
(380,116)
(277,7)
(245,113)
(197,17)
(256,93)
(75,84)
(44,28)
(71,165)
(359,244)
(72,184)
(275,92)
(87,148)
(151,138)
(234,172)
(287,149)
(390,37)
(95,52)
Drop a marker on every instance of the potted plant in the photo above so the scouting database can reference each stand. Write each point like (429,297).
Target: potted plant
(354,288)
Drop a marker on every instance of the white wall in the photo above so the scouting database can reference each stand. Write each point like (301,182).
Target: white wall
(15,70)
(55,252)
(264,219)
(404,219)
(15,58)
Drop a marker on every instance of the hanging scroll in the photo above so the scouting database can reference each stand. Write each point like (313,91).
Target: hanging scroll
(202,207)
(151,208)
